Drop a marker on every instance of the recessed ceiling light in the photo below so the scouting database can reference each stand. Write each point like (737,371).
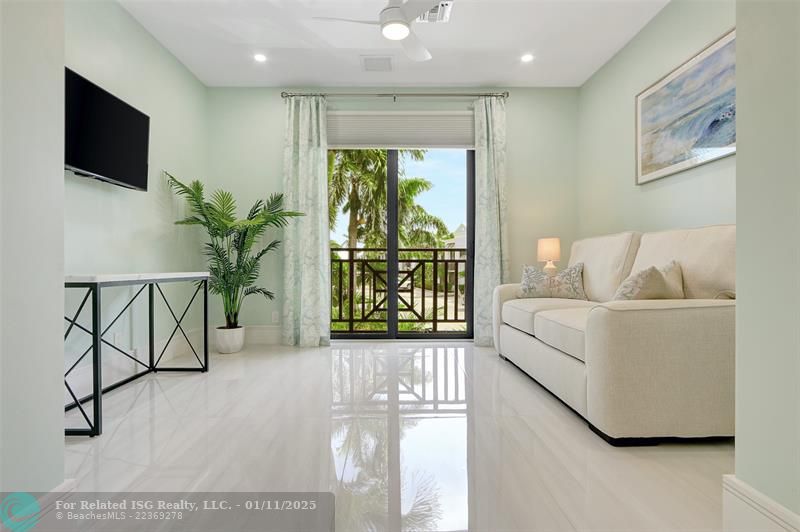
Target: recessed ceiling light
(526,58)
(260,58)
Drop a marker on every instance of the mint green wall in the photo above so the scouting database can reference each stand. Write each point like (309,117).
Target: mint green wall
(245,133)
(607,198)
(109,229)
(246,157)
(767,342)
(541,171)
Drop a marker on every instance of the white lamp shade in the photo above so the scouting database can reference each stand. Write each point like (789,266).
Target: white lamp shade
(548,249)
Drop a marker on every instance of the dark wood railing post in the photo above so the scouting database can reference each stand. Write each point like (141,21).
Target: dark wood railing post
(351,288)
(363,286)
(341,293)
(435,290)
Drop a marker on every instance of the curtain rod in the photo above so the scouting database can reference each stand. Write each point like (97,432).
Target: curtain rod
(396,95)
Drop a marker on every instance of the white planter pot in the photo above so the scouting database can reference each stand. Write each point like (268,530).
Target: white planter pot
(230,340)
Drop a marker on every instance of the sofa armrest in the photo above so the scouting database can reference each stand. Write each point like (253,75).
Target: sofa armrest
(501,294)
(660,368)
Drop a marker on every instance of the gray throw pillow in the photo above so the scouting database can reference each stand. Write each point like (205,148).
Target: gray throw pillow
(566,284)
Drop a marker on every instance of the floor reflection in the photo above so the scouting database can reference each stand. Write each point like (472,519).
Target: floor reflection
(399,438)
(409,436)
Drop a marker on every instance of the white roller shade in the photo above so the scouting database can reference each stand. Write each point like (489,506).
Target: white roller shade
(401,129)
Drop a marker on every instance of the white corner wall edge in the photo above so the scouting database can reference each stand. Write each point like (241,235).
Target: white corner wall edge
(745,509)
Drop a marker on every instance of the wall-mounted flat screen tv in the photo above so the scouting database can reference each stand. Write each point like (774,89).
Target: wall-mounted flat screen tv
(105,138)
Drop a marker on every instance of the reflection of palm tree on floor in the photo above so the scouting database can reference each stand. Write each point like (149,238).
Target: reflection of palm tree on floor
(361,443)
(362,499)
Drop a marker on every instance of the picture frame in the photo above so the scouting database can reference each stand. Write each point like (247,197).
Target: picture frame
(688,117)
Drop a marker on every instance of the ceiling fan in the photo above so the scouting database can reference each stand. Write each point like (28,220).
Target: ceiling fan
(395,21)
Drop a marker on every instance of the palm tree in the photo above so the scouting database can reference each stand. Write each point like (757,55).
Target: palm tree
(416,226)
(357,185)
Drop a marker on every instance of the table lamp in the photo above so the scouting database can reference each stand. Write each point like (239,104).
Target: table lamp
(549,250)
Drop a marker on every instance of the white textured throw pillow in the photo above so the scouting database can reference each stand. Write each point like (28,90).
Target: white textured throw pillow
(653,283)
(566,284)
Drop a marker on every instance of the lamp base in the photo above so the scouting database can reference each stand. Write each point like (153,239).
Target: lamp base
(550,268)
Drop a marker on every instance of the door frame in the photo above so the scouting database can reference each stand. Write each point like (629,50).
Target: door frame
(392,262)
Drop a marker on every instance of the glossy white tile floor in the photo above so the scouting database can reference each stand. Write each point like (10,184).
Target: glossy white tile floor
(409,436)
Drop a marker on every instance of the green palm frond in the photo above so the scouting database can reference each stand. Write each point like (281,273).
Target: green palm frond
(224,206)
(275,244)
(255,210)
(190,220)
(255,290)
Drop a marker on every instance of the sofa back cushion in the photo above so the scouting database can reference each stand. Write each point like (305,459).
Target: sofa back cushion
(607,261)
(707,256)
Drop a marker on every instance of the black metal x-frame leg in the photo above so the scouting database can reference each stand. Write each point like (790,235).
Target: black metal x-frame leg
(179,327)
(93,291)
(95,426)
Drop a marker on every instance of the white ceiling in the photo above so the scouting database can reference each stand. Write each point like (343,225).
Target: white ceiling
(480,46)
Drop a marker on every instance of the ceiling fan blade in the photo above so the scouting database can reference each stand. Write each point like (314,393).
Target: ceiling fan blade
(335,19)
(415,49)
(414,8)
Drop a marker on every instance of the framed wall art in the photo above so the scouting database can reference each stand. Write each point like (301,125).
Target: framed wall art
(688,118)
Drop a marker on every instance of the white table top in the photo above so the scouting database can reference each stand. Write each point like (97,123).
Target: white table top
(135,278)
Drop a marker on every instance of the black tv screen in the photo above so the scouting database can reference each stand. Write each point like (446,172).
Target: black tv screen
(105,138)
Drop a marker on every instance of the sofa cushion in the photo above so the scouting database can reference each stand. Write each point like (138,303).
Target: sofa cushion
(707,256)
(520,313)
(563,329)
(607,261)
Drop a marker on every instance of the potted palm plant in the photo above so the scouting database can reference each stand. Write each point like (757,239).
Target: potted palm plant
(233,266)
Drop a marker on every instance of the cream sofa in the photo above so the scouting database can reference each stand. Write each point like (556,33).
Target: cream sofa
(638,371)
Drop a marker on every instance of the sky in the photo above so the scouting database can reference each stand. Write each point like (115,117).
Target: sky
(447,199)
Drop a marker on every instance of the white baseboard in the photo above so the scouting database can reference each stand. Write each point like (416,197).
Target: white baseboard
(745,509)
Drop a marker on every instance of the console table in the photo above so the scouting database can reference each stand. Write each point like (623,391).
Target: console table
(93,285)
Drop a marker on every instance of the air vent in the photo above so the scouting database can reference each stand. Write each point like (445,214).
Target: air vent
(376,63)
(438,14)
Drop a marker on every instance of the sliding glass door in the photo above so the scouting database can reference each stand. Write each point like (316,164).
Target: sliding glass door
(401,243)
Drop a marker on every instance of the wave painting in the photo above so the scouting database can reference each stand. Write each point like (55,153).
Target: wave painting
(689,117)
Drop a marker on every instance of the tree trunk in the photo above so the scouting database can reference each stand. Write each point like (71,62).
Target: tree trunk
(355,209)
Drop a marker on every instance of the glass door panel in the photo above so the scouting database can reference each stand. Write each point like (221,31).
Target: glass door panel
(357,195)
(434,225)
(401,243)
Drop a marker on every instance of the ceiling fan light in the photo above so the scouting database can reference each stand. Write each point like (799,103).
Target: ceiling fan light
(395,30)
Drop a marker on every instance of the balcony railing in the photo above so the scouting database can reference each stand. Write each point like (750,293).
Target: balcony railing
(431,290)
